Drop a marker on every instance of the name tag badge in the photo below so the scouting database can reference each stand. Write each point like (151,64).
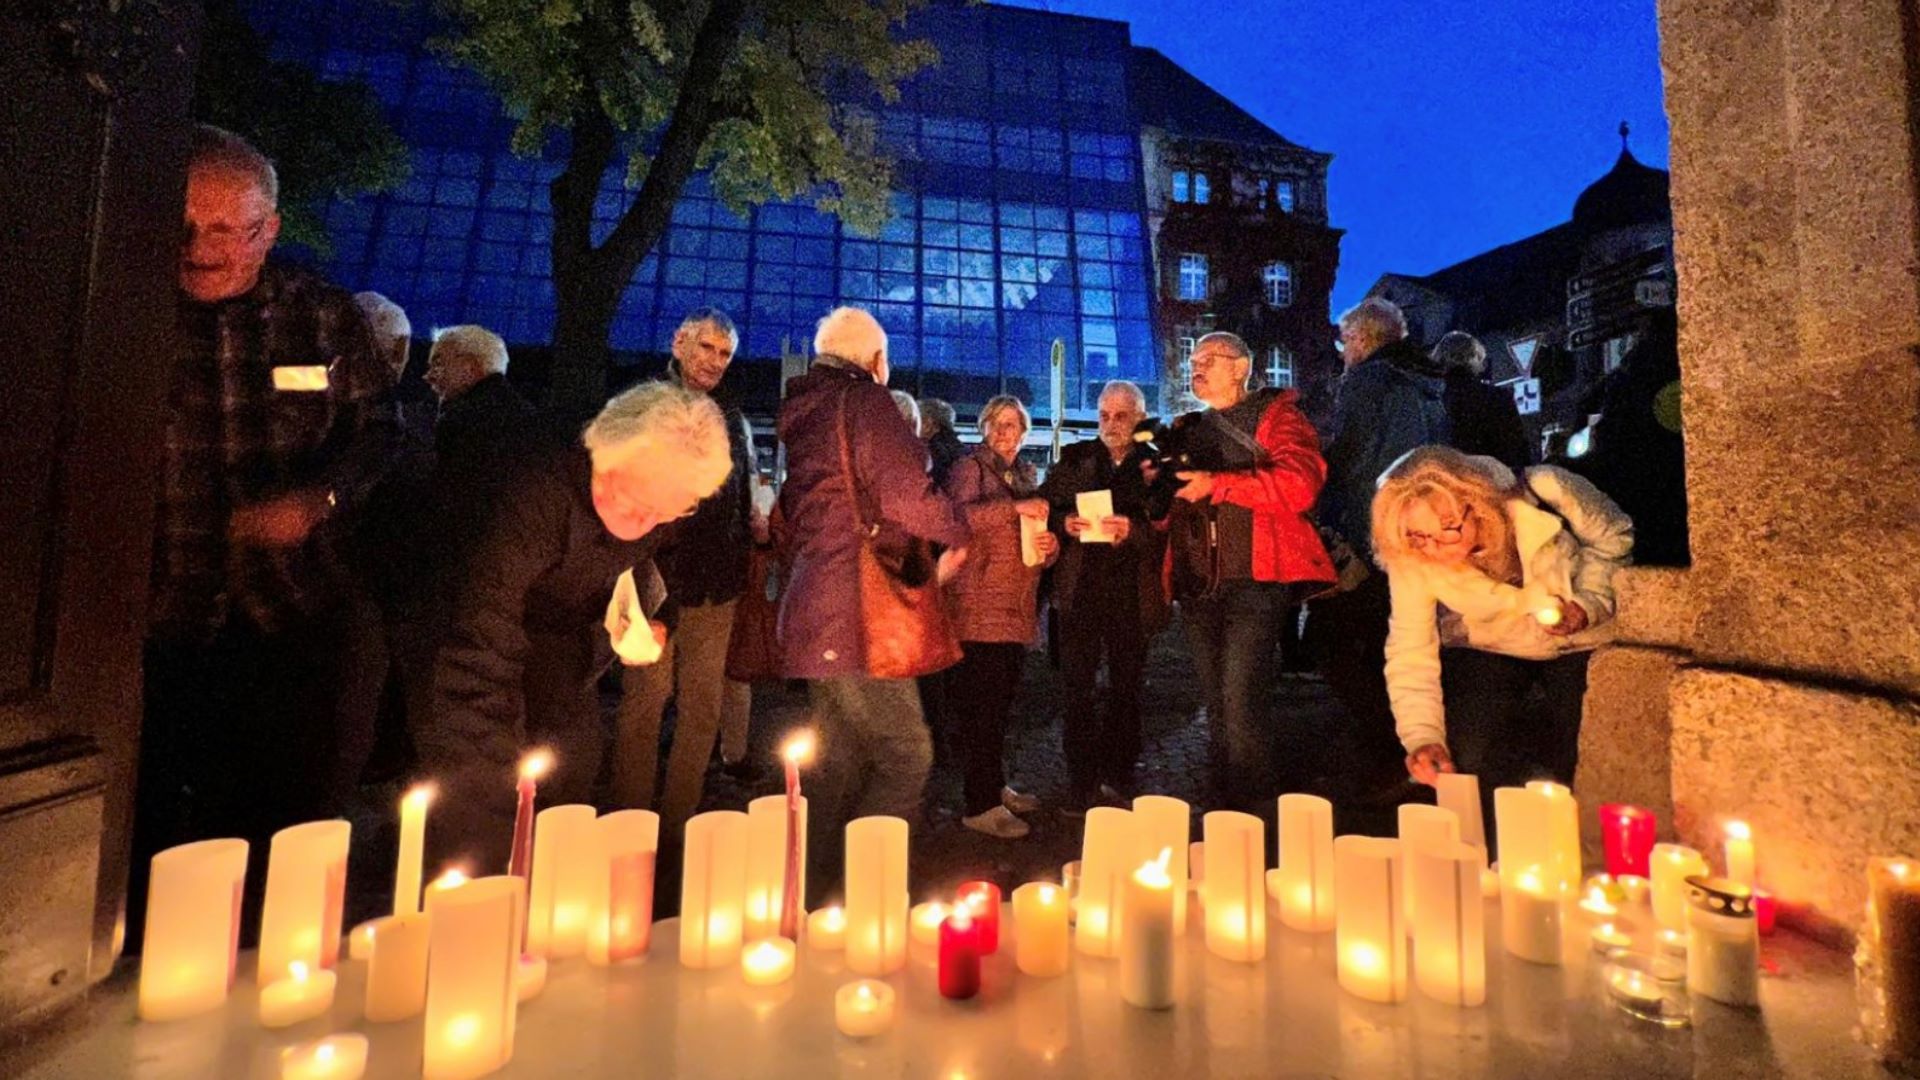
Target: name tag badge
(307,378)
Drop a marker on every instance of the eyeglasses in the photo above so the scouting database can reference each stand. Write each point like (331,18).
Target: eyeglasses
(1447,535)
(223,236)
(1209,361)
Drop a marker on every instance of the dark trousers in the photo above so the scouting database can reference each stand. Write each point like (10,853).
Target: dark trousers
(1511,720)
(985,682)
(1348,635)
(1233,636)
(872,758)
(1102,749)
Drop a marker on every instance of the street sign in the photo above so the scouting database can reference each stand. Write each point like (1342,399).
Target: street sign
(1606,302)
(1526,396)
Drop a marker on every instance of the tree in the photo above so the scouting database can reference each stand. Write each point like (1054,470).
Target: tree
(763,93)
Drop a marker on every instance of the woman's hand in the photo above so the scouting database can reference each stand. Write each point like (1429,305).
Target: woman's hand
(1032,508)
(1573,619)
(1077,525)
(1048,545)
(1117,527)
(1427,763)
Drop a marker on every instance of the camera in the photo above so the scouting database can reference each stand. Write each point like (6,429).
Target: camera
(1190,441)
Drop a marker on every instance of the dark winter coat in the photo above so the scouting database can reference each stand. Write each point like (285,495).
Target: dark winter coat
(1484,421)
(1388,404)
(1134,564)
(709,561)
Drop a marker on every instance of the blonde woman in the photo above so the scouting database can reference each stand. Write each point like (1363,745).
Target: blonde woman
(1501,587)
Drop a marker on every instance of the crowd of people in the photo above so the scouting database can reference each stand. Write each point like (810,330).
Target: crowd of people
(334,547)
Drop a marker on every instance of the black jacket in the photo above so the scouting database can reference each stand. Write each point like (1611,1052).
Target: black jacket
(1484,420)
(945,449)
(708,564)
(1134,566)
(1388,404)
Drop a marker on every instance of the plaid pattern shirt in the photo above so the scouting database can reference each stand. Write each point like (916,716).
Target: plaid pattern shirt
(240,433)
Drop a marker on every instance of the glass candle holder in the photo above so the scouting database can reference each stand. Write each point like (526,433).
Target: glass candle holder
(1887,964)
(1650,988)
(1723,942)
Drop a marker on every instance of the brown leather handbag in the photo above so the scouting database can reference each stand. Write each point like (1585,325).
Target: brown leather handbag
(903,615)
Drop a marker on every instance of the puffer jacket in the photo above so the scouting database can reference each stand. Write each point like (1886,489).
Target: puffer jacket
(1571,539)
(996,594)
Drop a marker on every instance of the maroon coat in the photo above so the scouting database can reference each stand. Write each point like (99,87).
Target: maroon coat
(820,632)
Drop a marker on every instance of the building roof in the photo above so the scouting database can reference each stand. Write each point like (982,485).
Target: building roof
(1168,96)
(1512,284)
(1630,194)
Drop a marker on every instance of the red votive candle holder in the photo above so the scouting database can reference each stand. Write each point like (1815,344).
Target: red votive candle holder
(982,901)
(1764,911)
(1626,832)
(959,955)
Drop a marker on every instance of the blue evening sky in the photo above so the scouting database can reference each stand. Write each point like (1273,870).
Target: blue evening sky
(1455,127)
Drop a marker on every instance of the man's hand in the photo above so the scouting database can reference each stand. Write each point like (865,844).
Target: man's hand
(1427,763)
(1048,545)
(761,528)
(1573,619)
(951,560)
(1077,525)
(279,523)
(659,632)
(1117,527)
(1199,485)
(1032,508)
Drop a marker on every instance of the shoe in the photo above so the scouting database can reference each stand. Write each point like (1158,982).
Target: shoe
(1019,802)
(1113,796)
(998,822)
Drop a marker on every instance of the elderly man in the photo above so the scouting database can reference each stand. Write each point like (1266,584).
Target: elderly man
(853,467)
(1110,599)
(704,574)
(528,635)
(484,422)
(1241,552)
(1481,419)
(277,429)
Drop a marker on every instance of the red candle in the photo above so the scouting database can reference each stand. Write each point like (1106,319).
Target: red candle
(798,750)
(532,768)
(959,955)
(1627,833)
(1764,911)
(982,901)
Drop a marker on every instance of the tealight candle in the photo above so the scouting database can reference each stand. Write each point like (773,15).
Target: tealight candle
(302,995)
(1040,929)
(1634,888)
(925,920)
(1739,850)
(827,929)
(1530,915)
(767,962)
(982,901)
(1607,938)
(193,922)
(1596,904)
(863,1009)
(1671,942)
(336,1057)
(1673,864)
(1147,945)
(1626,835)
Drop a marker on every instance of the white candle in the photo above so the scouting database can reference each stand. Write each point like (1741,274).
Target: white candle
(864,1008)
(1370,936)
(529,978)
(397,975)
(413,841)
(302,995)
(1423,828)
(827,929)
(1161,821)
(767,962)
(1596,903)
(1607,938)
(1040,944)
(336,1057)
(1147,939)
(620,903)
(1525,819)
(306,896)
(1449,922)
(1303,882)
(1723,942)
(193,924)
(767,862)
(713,887)
(1564,835)
(1739,851)
(360,941)
(1460,793)
(451,878)
(1236,900)
(1107,847)
(565,858)
(923,922)
(1489,883)
(472,969)
(876,898)
(1530,915)
(1672,865)
(1634,889)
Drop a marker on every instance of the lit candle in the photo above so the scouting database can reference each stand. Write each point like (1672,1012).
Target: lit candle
(767,962)
(1626,835)
(336,1057)
(982,901)
(1423,828)
(1890,959)
(472,969)
(1634,888)
(1449,921)
(1671,942)
(1147,938)
(1370,935)
(451,878)
(797,752)
(767,850)
(360,941)
(397,975)
(1739,851)
(876,895)
(302,995)
(1164,822)
(306,896)
(713,888)
(1609,938)
(925,921)
(1236,901)
(1563,825)
(413,841)
(1530,915)
(1040,942)
(863,1009)
(1641,995)
(960,951)
(1107,846)
(193,926)
(1549,615)
(1723,944)
(1597,902)
(1460,793)
(1673,864)
(532,767)
(1765,912)
(620,904)
(827,929)
(565,865)
(1303,882)
(1525,820)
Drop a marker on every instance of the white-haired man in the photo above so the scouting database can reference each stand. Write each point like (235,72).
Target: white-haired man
(848,448)
(527,638)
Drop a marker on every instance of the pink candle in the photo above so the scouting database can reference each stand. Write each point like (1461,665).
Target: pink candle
(1764,911)
(982,901)
(1627,834)
(798,751)
(532,768)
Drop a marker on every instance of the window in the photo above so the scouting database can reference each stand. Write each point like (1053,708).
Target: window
(1278,277)
(1200,187)
(1184,354)
(1181,191)
(1283,196)
(1193,277)
(1280,367)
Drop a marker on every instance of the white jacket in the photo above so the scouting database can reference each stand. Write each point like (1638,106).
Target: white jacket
(1571,539)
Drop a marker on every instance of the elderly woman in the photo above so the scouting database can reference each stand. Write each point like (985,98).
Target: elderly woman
(1501,586)
(995,596)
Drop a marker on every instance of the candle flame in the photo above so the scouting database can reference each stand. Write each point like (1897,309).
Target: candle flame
(835,918)
(934,913)
(1153,872)
(961,919)
(1549,616)
(764,955)
(418,796)
(1047,893)
(1900,870)
(864,994)
(799,748)
(297,971)
(324,1054)
(1739,830)
(451,877)
(1528,881)
(1552,790)
(536,764)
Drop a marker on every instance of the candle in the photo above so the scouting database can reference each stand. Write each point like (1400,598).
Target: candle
(1765,912)
(1889,960)
(306,896)
(1148,936)
(1370,936)
(620,904)
(1563,824)
(473,967)
(1673,864)
(413,842)
(529,978)
(766,865)
(1608,938)
(863,1009)
(1449,921)
(1634,888)
(360,941)
(1423,828)
(302,995)
(713,887)
(451,878)
(1723,944)
(532,767)
(924,921)
(797,752)
(565,872)
(982,901)
(1626,835)
(397,975)
(1070,884)
(1460,793)
(1739,851)
(827,929)
(876,895)
(1236,915)
(193,928)
(1489,883)
(1524,817)
(1671,942)
(767,962)
(1040,929)
(1164,822)
(1530,915)
(1303,882)
(960,951)
(1107,847)
(1649,988)
(336,1057)
(1597,901)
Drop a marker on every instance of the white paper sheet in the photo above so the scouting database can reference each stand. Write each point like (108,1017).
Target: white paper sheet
(1030,530)
(1095,506)
(627,625)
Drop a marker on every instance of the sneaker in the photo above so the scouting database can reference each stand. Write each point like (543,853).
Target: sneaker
(997,822)
(1019,802)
